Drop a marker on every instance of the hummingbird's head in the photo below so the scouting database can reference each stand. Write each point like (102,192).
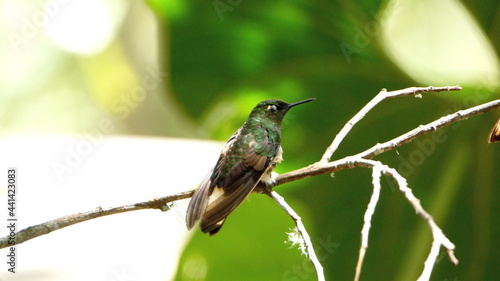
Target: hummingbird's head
(274,109)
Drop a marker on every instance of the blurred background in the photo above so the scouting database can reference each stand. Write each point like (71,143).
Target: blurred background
(108,99)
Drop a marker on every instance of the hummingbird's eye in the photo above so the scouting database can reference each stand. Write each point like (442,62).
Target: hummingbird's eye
(272,107)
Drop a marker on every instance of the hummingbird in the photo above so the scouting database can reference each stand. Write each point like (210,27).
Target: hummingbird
(495,133)
(248,157)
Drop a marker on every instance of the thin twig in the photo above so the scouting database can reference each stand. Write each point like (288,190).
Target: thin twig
(425,129)
(431,260)
(62,222)
(382,95)
(376,174)
(437,233)
(301,229)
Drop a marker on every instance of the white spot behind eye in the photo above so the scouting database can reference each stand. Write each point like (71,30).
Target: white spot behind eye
(271,107)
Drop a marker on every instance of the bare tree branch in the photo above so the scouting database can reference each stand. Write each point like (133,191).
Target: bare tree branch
(320,168)
(425,129)
(382,95)
(437,233)
(376,174)
(62,222)
(324,166)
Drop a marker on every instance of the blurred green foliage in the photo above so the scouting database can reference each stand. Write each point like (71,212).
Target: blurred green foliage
(225,56)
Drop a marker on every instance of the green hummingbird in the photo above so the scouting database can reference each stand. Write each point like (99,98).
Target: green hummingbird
(248,157)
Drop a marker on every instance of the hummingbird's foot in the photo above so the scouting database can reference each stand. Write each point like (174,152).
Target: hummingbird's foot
(270,179)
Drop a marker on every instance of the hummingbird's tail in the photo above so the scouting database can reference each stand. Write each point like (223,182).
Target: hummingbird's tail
(198,202)
(212,228)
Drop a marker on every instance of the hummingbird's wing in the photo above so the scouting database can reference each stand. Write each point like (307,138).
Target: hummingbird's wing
(199,201)
(240,181)
(495,133)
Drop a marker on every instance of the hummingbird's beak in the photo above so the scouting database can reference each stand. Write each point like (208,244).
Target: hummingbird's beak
(300,102)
